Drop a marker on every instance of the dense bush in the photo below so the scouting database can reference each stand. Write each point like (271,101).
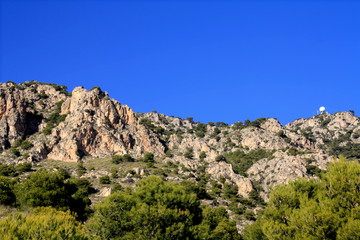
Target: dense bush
(349,150)
(200,130)
(256,123)
(159,210)
(149,157)
(122,158)
(242,161)
(7,196)
(42,223)
(7,170)
(104,180)
(15,151)
(54,189)
(220,158)
(23,167)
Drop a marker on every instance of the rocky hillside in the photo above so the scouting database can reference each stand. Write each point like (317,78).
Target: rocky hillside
(43,121)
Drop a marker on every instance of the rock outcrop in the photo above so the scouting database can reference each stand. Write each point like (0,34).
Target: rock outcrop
(89,124)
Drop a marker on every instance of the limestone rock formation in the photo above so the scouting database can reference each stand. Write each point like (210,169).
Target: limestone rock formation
(89,124)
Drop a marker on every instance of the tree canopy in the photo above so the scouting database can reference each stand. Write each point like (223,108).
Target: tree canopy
(159,210)
(325,208)
(54,189)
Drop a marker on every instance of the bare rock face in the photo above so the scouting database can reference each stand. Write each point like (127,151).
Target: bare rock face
(22,110)
(255,138)
(94,124)
(272,125)
(222,169)
(98,126)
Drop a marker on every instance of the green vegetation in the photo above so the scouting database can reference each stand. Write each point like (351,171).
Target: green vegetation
(15,151)
(238,126)
(104,180)
(7,170)
(307,133)
(42,223)
(54,119)
(23,144)
(96,88)
(242,161)
(189,155)
(294,151)
(58,190)
(327,208)
(256,123)
(147,123)
(122,158)
(200,130)
(282,134)
(80,169)
(159,210)
(349,150)
(60,88)
(220,158)
(202,155)
(14,170)
(149,158)
(7,196)
(23,167)
(221,124)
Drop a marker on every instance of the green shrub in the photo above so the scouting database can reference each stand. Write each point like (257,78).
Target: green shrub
(122,158)
(116,159)
(80,170)
(249,215)
(26,144)
(200,130)
(202,155)
(149,157)
(23,167)
(96,88)
(55,189)
(238,126)
(313,170)
(43,95)
(221,124)
(17,142)
(104,180)
(54,119)
(294,152)
(7,170)
(189,155)
(114,172)
(159,210)
(7,196)
(242,161)
(15,151)
(42,223)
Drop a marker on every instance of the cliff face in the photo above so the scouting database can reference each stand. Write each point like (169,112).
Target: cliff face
(68,127)
(89,124)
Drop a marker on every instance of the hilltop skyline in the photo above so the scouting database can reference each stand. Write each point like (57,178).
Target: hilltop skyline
(213,61)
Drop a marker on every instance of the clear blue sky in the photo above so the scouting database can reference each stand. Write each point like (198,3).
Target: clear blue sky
(212,60)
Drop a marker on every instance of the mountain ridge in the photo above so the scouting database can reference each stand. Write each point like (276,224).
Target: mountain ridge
(89,124)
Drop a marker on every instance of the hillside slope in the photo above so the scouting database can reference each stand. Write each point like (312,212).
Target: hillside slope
(43,121)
